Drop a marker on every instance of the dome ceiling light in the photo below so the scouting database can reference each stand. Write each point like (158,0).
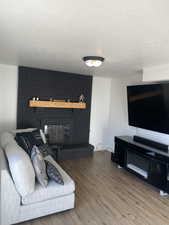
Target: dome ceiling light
(93,61)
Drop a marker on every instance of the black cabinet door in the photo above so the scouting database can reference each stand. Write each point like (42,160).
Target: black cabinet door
(119,155)
(158,174)
(167,186)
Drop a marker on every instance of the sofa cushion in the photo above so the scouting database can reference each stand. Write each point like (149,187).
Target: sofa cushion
(53,190)
(21,168)
(5,139)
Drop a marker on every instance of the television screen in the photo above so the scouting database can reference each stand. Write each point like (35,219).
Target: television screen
(148,107)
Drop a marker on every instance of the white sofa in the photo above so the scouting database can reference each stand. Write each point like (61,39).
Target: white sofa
(43,201)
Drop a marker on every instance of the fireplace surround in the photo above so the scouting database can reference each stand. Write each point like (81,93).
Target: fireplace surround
(67,127)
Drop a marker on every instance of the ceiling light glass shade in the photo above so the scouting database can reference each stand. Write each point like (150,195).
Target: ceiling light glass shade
(93,61)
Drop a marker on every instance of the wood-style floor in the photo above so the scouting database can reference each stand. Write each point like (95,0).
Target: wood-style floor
(106,195)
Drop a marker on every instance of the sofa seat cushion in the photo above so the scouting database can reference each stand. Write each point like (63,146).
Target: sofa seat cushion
(53,190)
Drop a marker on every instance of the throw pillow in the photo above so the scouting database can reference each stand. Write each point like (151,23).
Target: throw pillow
(26,141)
(21,169)
(45,150)
(39,166)
(52,171)
(37,137)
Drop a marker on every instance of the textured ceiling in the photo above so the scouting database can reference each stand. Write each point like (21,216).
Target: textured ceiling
(56,34)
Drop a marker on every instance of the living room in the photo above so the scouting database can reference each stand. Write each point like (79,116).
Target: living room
(74,90)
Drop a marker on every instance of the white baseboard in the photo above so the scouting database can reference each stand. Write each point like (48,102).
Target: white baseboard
(103,148)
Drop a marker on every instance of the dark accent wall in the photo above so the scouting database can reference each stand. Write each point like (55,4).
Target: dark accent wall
(47,84)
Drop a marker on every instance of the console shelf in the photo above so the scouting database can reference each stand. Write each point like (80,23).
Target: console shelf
(138,170)
(148,163)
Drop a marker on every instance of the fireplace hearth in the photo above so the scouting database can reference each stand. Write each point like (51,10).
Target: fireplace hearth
(59,133)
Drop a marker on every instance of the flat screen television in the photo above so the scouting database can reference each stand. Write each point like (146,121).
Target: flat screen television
(148,107)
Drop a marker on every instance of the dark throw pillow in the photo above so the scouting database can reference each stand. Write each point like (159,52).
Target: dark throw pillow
(46,150)
(37,137)
(52,171)
(26,141)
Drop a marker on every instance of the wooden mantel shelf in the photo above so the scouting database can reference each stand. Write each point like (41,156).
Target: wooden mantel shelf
(50,104)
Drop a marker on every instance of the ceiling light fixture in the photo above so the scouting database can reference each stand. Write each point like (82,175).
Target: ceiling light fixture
(93,61)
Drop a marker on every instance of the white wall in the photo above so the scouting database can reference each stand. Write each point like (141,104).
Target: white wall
(152,135)
(109,115)
(156,73)
(99,123)
(118,118)
(8,97)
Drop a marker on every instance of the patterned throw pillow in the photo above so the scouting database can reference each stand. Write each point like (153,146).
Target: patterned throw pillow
(45,150)
(52,171)
(39,166)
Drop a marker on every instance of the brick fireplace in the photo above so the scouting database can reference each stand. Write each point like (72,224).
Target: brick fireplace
(67,127)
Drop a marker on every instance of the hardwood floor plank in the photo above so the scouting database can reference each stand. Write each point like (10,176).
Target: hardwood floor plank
(106,195)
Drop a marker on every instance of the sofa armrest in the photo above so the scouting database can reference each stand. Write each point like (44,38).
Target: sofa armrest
(10,199)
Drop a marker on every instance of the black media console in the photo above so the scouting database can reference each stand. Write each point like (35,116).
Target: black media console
(147,159)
